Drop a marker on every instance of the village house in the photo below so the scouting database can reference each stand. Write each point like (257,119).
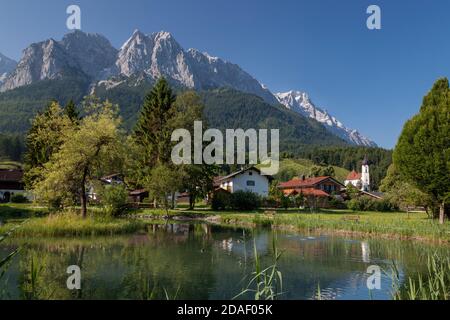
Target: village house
(11,184)
(249,179)
(316,190)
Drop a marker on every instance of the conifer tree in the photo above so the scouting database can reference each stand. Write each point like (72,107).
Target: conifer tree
(70,110)
(153,129)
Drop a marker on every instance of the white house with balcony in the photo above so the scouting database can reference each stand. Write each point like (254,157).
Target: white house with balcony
(249,179)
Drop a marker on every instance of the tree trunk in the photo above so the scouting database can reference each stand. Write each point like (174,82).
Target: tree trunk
(83,198)
(172,206)
(191,202)
(83,203)
(442,213)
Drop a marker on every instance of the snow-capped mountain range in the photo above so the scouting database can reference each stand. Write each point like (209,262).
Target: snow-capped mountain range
(150,56)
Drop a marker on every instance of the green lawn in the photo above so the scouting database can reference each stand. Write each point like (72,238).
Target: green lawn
(397,224)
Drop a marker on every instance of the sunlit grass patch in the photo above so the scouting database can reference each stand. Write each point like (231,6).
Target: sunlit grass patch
(71,224)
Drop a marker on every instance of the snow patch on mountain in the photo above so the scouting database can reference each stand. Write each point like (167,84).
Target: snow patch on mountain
(301,103)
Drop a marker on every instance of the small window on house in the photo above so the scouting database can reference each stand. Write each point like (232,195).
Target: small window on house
(250,173)
(251,183)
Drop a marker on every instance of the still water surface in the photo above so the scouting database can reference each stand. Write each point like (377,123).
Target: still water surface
(200,261)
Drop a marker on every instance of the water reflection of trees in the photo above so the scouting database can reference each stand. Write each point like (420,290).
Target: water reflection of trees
(202,262)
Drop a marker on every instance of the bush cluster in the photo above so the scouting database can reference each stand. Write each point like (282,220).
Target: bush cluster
(368,204)
(240,200)
(18,198)
(114,199)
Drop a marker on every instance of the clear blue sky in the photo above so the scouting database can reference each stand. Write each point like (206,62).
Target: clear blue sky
(371,80)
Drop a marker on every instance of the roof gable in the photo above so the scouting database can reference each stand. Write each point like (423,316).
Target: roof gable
(354,175)
(309,182)
(234,174)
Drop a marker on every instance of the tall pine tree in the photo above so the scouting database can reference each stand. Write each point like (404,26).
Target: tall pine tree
(70,110)
(153,129)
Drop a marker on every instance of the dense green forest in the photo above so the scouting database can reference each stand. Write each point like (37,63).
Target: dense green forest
(11,147)
(19,106)
(227,108)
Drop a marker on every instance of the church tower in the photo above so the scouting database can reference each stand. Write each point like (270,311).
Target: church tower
(365,175)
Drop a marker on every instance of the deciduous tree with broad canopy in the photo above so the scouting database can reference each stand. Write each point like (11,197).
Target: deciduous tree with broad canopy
(88,151)
(422,155)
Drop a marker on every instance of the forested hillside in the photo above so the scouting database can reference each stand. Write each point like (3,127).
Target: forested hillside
(19,106)
(351,158)
(227,108)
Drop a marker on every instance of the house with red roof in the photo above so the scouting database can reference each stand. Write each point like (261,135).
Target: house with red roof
(316,190)
(318,186)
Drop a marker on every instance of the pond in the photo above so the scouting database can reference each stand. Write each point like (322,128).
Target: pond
(202,261)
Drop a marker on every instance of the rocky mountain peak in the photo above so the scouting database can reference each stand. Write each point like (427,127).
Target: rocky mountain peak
(300,102)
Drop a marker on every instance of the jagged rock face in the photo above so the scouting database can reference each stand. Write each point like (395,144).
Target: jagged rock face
(157,55)
(6,67)
(213,72)
(160,55)
(92,52)
(77,53)
(40,61)
(154,56)
(300,102)
(135,55)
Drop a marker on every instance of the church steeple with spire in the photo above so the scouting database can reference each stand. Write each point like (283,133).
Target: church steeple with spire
(365,175)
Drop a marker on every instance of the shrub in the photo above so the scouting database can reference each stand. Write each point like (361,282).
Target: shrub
(368,204)
(285,202)
(221,200)
(19,198)
(269,202)
(115,199)
(383,206)
(245,200)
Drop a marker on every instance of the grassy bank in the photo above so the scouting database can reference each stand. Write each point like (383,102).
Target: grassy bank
(416,226)
(38,222)
(390,224)
(396,225)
